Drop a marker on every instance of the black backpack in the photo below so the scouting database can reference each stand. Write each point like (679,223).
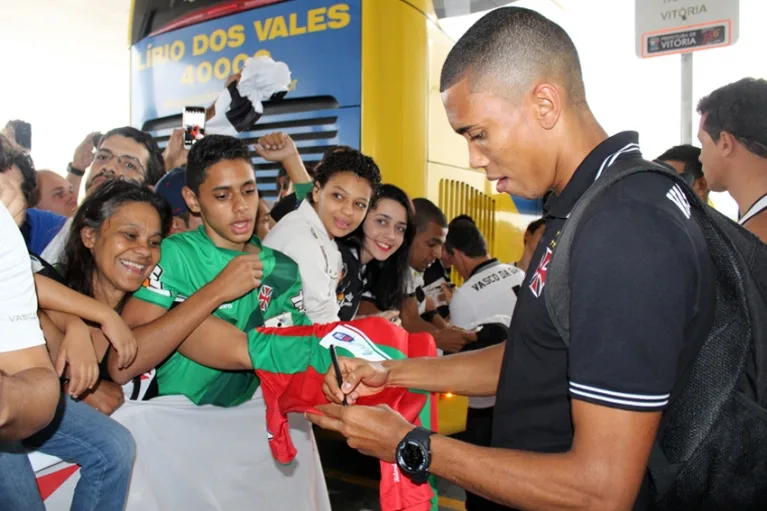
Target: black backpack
(711,451)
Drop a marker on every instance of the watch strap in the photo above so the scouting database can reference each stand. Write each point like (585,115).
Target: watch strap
(421,435)
(74,171)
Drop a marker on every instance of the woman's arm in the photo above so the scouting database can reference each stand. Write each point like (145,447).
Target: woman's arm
(69,344)
(279,147)
(52,296)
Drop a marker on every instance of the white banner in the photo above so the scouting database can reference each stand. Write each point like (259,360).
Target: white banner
(203,458)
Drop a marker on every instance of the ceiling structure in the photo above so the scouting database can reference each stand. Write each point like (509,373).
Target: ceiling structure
(451,8)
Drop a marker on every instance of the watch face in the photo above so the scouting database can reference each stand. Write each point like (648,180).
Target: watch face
(412,456)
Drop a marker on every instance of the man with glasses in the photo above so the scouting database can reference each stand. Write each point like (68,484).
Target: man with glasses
(733,137)
(123,153)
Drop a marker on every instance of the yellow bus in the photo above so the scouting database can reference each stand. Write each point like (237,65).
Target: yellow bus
(365,73)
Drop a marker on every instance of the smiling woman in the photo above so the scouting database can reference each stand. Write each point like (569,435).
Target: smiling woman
(115,241)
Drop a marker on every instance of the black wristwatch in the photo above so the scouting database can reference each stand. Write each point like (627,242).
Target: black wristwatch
(74,171)
(414,455)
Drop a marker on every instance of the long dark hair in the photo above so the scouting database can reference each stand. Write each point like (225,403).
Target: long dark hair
(386,280)
(78,264)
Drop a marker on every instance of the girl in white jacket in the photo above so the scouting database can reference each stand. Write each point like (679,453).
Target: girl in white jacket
(345,184)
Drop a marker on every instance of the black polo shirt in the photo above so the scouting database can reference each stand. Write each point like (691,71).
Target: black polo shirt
(643,298)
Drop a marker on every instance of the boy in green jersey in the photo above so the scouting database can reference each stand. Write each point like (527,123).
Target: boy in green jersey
(214,282)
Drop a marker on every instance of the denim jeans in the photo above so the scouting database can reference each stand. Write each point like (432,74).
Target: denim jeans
(79,434)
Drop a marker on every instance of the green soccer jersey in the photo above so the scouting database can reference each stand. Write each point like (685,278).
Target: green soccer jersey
(189,261)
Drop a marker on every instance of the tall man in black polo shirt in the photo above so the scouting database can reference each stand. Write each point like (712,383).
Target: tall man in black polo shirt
(573,428)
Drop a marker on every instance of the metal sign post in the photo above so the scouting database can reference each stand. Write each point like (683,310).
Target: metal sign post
(686,113)
(665,27)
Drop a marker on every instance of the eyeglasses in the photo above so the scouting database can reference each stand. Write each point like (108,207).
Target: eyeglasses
(128,164)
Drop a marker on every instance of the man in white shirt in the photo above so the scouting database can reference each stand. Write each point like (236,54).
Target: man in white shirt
(431,229)
(733,142)
(29,388)
(488,295)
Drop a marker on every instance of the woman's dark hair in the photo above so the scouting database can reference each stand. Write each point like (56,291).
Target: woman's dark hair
(347,159)
(386,280)
(78,263)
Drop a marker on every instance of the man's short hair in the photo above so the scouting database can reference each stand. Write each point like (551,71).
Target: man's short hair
(207,152)
(155,167)
(464,235)
(427,212)
(511,47)
(687,154)
(459,218)
(740,109)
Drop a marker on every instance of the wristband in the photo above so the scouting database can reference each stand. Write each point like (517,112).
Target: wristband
(74,171)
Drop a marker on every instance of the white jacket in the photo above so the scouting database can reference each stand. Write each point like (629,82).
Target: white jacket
(301,236)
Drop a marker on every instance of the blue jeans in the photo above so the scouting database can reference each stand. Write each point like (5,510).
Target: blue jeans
(79,434)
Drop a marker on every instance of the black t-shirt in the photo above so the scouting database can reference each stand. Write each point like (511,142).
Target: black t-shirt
(284,206)
(643,298)
(352,282)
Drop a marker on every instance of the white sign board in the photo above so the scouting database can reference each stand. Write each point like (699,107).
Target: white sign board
(664,27)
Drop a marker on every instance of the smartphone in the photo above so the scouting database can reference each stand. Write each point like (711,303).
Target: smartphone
(194,124)
(23,132)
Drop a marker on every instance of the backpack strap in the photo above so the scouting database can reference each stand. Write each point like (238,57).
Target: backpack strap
(558,274)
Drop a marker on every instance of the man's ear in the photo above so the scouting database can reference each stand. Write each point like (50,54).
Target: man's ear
(548,105)
(191,200)
(726,143)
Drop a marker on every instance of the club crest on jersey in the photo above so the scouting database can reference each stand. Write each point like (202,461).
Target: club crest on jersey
(154,282)
(264,297)
(539,277)
(343,337)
